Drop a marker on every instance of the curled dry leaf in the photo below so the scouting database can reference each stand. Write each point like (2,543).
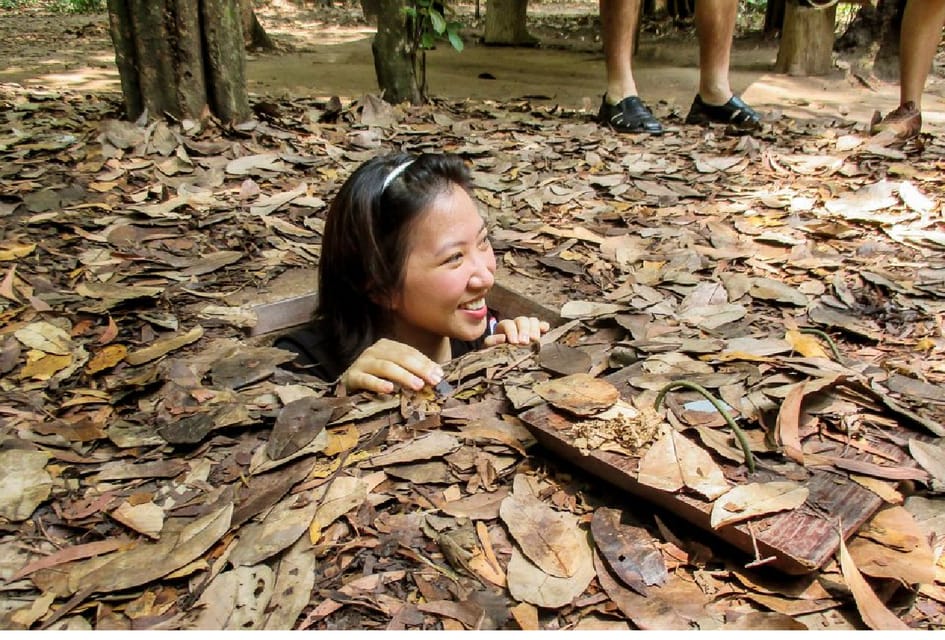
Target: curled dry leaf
(579,393)
(874,612)
(756,499)
(549,538)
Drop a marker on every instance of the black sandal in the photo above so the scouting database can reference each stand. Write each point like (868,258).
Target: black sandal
(629,115)
(735,113)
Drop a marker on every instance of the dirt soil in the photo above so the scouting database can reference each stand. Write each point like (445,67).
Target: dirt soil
(326,51)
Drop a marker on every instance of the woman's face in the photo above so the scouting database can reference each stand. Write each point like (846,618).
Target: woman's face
(449,269)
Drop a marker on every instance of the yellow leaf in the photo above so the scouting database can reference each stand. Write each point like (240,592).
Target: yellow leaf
(164,346)
(805,344)
(106,358)
(45,366)
(12,251)
(342,439)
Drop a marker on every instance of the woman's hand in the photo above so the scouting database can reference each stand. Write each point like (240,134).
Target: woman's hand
(521,330)
(387,364)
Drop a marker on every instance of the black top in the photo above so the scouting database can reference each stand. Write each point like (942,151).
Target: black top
(315,355)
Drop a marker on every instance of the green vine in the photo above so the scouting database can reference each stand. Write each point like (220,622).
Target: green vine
(828,339)
(736,430)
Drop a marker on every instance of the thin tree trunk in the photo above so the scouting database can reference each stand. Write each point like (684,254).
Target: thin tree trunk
(156,72)
(179,57)
(254,35)
(774,17)
(394,59)
(806,41)
(226,59)
(870,42)
(120,27)
(505,23)
(191,79)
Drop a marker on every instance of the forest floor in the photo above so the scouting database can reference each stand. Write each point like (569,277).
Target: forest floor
(325,52)
(797,274)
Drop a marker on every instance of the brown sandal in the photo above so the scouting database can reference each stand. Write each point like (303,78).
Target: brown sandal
(904,122)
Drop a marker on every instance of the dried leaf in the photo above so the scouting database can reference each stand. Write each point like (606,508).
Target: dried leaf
(285,523)
(181,543)
(164,346)
(530,584)
(45,337)
(106,358)
(931,458)
(146,518)
(675,462)
(874,613)
(756,499)
(547,537)
(586,309)
(24,483)
(578,393)
(630,551)
(425,447)
(292,590)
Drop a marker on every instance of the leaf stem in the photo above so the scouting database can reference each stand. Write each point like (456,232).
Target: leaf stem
(736,430)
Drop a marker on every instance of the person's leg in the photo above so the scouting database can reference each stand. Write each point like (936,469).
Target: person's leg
(921,32)
(919,37)
(715,27)
(618,20)
(621,108)
(715,101)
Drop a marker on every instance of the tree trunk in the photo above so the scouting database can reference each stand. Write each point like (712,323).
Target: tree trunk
(395,57)
(505,23)
(871,41)
(180,58)
(806,41)
(886,62)
(254,35)
(774,18)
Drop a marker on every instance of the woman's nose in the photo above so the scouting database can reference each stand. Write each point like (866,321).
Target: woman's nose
(484,274)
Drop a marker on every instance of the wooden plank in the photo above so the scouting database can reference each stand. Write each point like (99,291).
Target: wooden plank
(801,541)
(298,310)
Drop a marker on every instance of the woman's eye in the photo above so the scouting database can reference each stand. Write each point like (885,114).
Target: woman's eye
(455,258)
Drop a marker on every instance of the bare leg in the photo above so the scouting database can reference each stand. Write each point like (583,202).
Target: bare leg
(715,26)
(618,20)
(921,31)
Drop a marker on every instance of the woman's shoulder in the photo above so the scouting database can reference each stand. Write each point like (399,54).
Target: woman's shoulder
(315,352)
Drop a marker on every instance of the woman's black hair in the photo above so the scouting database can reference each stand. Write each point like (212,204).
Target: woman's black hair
(366,243)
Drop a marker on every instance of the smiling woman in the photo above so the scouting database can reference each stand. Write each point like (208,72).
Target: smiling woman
(406,265)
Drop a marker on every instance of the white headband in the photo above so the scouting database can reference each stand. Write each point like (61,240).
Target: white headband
(399,169)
